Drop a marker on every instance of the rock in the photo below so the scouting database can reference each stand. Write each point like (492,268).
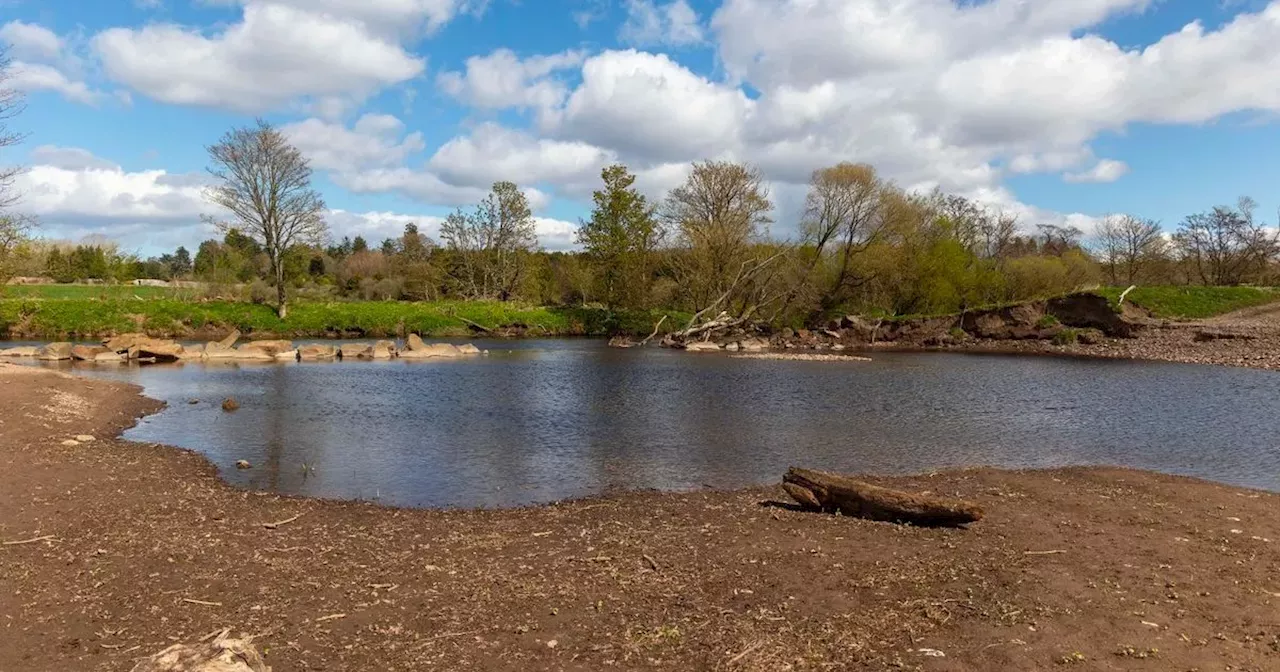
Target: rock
(701,346)
(87,353)
(732,347)
(230,405)
(109,358)
(432,350)
(355,350)
(193,402)
(54,352)
(753,345)
(243,464)
(621,342)
(125,342)
(858,329)
(1089,337)
(159,350)
(383,350)
(468,349)
(216,350)
(85,438)
(21,351)
(230,340)
(70,443)
(290,356)
(192,352)
(414,342)
(1094,311)
(309,353)
(271,348)
(247,353)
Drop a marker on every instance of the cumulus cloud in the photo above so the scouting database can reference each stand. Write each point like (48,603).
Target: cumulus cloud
(279,52)
(501,79)
(374,140)
(43,61)
(671,24)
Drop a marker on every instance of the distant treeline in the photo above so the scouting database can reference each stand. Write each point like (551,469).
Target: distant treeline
(865,245)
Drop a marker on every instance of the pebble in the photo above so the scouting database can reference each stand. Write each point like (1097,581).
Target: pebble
(70,442)
(85,438)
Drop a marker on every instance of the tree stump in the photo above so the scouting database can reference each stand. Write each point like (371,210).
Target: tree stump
(824,491)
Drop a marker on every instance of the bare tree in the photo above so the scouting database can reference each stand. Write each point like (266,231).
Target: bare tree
(491,246)
(842,218)
(1226,245)
(1057,240)
(1126,245)
(717,216)
(14,227)
(265,184)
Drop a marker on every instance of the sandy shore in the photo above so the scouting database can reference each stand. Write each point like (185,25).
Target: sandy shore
(139,545)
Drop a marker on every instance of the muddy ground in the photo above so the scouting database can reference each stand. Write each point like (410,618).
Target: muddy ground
(137,546)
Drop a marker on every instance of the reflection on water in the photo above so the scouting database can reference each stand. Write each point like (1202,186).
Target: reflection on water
(543,420)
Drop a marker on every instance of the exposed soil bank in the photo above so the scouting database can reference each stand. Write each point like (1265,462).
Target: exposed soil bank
(1116,569)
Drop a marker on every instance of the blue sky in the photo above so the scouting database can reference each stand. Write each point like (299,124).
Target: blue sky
(1059,110)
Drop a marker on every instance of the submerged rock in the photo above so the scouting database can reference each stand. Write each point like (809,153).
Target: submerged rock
(354,350)
(88,353)
(433,350)
(21,351)
(271,348)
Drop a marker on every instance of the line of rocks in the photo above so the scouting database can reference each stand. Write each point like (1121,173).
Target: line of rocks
(143,348)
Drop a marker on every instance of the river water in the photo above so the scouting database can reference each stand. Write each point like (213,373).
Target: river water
(538,421)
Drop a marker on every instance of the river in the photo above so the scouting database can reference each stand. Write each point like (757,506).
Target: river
(543,420)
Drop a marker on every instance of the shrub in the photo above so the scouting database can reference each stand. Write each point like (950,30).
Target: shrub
(1047,321)
(260,292)
(1066,337)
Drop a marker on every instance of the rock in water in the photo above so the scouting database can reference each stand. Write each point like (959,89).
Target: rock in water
(222,654)
(230,404)
(55,352)
(243,464)
(355,350)
(701,346)
(88,353)
(414,342)
(428,351)
(317,352)
(271,348)
(21,351)
(125,342)
(383,350)
(468,349)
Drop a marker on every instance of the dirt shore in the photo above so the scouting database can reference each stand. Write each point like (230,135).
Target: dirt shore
(139,545)
(1248,338)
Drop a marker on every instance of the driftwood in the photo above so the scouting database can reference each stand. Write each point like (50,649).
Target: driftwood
(823,491)
(216,653)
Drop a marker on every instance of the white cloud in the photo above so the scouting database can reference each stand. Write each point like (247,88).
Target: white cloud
(69,158)
(501,79)
(42,61)
(374,140)
(276,54)
(493,153)
(29,41)
(1106,170)
(553,234)
(672,24)
(386,17)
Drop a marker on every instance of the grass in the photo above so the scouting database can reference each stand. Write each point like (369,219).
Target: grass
(100,292)
(1194,302)
(71,317)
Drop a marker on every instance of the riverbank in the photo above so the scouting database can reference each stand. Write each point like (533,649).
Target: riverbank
(96,318)
(136,544)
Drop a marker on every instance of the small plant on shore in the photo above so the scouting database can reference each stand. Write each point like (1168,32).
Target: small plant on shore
(958,334)
(1047,322)
(1066,337)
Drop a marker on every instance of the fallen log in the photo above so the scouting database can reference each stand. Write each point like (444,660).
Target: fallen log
(824,491)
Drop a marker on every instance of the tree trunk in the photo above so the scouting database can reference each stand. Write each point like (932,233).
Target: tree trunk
(823,491)
(281,301)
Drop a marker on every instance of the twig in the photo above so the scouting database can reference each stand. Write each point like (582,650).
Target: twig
(278,523)
(330,617)
(1125,293)
(33,540)
(207,604)
(652,563)
(745,651)
(1043,552)
(656,327)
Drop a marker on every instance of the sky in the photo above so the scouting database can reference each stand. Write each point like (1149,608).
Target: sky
(1061,111)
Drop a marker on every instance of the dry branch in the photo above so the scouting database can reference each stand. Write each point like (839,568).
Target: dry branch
(656,327)
(32,540)
(823,491)
(278,523)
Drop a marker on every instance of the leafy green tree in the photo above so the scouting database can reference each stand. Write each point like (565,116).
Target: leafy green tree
(620,238)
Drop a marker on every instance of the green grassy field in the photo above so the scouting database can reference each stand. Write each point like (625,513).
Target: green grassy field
(60,313)
(100,292)
(1194,302)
